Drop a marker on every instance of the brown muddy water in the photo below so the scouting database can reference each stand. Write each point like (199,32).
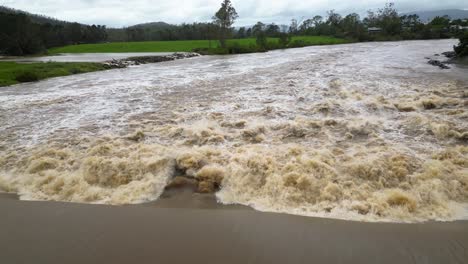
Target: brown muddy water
(367,132)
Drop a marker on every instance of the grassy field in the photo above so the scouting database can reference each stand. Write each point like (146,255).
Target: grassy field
(13,73)
(178,46)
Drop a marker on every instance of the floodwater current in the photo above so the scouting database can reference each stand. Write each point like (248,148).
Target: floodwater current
(365,131)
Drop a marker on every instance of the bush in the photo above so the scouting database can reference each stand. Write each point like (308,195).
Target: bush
(27,76)
(233,48)
(262,41)
(236,48)
(284,40)
(212,51)
(298,44)
(75,70)
(462,48)
(274,45)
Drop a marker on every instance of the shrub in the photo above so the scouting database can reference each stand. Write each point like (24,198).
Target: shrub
(271,45)
(75,70)
(27,76)
(236,48)
(298,44)
(284,39)
(462,48)
(262,41)
(212,51)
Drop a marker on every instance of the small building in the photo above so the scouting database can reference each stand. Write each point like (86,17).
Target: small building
(458,27)
(374,30)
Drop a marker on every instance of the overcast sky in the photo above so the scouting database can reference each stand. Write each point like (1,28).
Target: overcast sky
(117,13)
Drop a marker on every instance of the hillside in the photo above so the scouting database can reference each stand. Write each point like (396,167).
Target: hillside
(38,19)
(23,33)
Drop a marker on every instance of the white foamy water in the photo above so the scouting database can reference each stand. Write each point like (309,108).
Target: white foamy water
(364,131)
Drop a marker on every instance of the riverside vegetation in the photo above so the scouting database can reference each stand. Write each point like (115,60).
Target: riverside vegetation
(233,45)
(13,73)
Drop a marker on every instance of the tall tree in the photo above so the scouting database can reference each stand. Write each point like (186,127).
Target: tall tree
(225,18)
(272,30)
(386,18)
(293,27)
(258,28)
(241,32)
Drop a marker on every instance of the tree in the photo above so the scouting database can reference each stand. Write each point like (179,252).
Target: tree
(462,48)
(248,33)
(386,18)
(438,21)
(272,30)
(293,27)
(352,27)
(73,32)
(284,39)
(19,36)
(26,34)
(258,28)
(317,20)
(225,18)
(334,22)
(261,38)
(334,18)
(241,33)
(262,41)
(307,24)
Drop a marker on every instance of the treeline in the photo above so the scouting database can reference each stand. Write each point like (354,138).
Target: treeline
(383,24)
(25,34)
(22,33)
(162,31)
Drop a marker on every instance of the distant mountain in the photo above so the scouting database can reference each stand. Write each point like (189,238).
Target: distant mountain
(426,16)
(159,24)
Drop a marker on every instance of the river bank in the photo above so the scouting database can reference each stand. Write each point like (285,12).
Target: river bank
(188,45)
(13,73)
(31,69)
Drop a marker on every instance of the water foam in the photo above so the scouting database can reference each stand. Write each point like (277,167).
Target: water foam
(304,135)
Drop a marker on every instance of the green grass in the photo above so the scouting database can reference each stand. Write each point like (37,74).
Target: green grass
(178,46)
(13,73)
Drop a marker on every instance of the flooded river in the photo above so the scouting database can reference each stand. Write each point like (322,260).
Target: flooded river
(365,131)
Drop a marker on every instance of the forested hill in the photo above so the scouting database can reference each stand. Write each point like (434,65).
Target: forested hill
(39,19)
(22,33)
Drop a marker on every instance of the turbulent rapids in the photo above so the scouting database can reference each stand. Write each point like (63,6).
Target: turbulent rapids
(365,132)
